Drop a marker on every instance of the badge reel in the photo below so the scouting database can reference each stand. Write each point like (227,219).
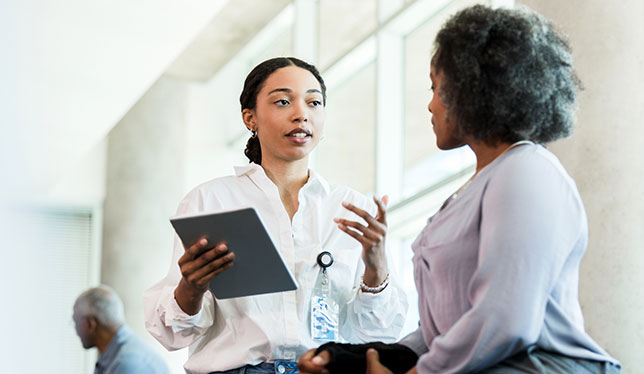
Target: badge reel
(324,310)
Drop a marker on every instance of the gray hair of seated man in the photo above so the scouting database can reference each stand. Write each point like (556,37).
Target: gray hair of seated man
(102,303)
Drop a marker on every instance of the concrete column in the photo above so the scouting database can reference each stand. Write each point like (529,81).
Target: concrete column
(145,172)
(605,158)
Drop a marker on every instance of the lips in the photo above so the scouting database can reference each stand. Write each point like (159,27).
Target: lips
(300,133)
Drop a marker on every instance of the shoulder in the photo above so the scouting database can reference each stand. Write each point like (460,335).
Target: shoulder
(532,174)
(534,164)
(205,194)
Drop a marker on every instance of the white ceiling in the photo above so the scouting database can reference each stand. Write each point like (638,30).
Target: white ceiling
(71,69)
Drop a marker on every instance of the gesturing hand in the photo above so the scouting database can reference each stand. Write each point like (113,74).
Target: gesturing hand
(372,237)
(198,266)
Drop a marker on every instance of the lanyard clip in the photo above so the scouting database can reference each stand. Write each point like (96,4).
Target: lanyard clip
(325,259)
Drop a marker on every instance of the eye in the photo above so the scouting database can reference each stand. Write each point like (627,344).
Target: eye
(315,103)
(432,88)
(282,102)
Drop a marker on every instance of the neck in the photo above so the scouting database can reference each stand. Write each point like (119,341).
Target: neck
(287,175)
(486,153)
(104,337)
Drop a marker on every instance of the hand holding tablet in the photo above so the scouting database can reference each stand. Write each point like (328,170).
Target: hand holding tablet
(252,266)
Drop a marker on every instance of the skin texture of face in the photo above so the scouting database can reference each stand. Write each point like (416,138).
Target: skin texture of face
(447,136)
(83,329)
(289,115)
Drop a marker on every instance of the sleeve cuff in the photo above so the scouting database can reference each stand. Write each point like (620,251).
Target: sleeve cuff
(178,320)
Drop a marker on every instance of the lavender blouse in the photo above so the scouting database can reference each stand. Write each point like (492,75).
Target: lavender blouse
(497,268)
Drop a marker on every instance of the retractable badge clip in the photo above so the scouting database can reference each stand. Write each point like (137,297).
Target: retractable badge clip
(325,259)
(324,310)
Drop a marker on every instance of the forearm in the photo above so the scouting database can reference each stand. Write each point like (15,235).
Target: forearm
(188,298)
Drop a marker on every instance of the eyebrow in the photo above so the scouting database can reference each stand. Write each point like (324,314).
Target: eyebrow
(311,90)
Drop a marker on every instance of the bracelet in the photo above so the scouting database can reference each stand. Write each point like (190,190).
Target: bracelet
(376,289)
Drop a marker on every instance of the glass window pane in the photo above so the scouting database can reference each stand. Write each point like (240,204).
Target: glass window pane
(343,23)
(421,152)
(347,153)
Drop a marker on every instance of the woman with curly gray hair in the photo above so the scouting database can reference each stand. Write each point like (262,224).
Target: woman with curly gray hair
(497,266)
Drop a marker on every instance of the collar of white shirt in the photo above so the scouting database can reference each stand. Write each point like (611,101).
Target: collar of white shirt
(315,179)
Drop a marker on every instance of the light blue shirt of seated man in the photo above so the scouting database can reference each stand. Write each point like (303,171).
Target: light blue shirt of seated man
(127,354)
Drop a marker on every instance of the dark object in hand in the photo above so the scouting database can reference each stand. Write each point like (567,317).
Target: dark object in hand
(352,358)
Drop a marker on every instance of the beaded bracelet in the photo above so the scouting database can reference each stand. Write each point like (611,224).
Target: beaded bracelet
(376,289)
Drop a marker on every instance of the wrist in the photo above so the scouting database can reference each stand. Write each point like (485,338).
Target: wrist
(374,276)
(188,298)
(374,289)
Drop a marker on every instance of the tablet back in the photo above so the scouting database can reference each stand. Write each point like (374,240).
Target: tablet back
(258,267)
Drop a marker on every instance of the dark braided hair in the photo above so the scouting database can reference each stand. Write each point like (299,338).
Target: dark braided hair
(508,75)
(253,84)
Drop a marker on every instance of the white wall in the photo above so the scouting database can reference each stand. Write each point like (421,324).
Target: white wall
(604,156)
(71,69)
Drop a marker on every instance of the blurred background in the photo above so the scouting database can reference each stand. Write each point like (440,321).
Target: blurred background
(112,111)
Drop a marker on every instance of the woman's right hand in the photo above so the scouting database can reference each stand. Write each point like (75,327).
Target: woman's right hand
(198,266)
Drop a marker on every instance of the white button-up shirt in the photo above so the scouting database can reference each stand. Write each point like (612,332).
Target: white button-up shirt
(230,333)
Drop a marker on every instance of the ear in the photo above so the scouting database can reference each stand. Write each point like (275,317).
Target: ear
(92,323)
(248,116)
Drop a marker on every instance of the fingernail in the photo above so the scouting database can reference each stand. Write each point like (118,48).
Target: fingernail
(336,220)
(317,360)
(345,204)
(203,241)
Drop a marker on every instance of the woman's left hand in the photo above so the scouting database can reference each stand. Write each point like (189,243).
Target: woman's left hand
(372,237)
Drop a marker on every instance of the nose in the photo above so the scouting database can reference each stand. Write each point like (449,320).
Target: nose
(300,112)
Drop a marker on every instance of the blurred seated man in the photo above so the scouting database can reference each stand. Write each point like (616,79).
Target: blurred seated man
(98,318)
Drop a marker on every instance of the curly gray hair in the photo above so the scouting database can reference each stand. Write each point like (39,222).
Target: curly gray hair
(507,75)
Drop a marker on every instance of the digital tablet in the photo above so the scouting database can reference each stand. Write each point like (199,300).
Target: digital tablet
(258,266)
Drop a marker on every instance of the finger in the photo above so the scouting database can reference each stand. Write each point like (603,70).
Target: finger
(374,225)
(381,216)
(373,363)
(215,266)
(354,234)
(360,212)
(202,282)
(310,363)
(322,358)
(375,233)
(205,258)
(194,250)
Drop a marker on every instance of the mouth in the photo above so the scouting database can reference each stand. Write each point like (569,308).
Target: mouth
(300,133)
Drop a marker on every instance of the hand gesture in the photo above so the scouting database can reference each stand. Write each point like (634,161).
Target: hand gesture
(372,237)
(198,266)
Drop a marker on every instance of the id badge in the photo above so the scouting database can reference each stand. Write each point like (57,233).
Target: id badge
(324,319)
